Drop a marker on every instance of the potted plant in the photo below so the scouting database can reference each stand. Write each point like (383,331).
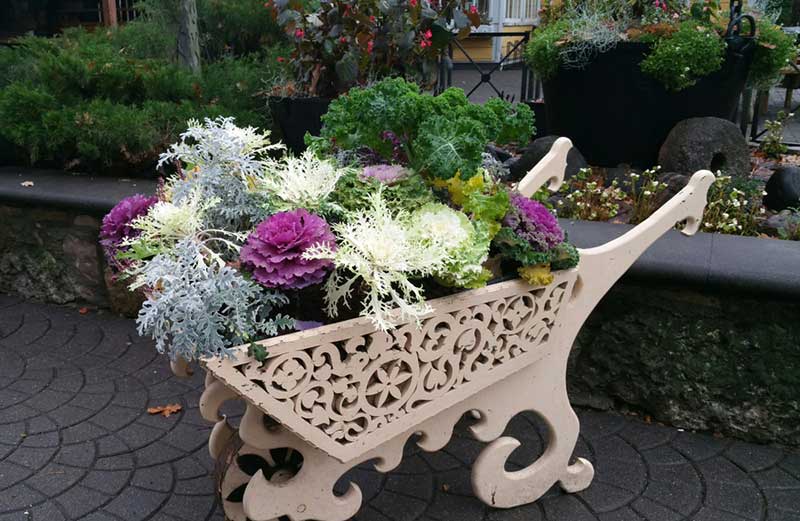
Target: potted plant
(618,76)
(338,44)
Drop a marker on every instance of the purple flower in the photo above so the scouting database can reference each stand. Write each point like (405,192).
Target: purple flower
(386,174)
(274,251)
(533,222)
(117,225)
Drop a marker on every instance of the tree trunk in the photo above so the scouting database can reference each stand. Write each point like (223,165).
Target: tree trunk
(189,37)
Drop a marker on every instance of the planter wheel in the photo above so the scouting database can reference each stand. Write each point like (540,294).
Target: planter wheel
(237,463)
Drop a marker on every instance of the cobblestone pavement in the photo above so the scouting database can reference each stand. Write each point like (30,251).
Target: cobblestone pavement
(77,443)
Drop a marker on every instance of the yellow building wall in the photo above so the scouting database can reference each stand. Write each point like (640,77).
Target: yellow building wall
(478,47)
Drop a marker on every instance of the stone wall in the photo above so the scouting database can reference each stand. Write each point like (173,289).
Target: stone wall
(51,255)
(723,363)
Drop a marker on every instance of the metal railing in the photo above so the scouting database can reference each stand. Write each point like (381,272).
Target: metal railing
(512,56)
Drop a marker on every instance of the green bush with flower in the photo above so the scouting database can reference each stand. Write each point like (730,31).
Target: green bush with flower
(243,235)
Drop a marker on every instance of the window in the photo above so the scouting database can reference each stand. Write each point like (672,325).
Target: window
(521,11)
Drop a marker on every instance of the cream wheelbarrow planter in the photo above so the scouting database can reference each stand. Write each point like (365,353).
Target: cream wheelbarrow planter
(346,393)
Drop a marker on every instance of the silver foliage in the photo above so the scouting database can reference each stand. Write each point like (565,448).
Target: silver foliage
(196,309)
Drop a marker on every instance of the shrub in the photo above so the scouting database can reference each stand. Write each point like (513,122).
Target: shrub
(544,49)
(82,101)
(774,51)
(688,54)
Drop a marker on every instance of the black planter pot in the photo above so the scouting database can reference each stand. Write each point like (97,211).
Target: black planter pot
(540,117)
(296,116)
(614,113)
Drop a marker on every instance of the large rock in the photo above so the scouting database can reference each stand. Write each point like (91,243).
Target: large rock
(783,189)
(534,153)
(705,144)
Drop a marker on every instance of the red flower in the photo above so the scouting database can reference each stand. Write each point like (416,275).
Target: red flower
(370,45)
(413,3)
(428,34)
(473,9)
(281,59)
(372,18)
(342,39)
(299,33)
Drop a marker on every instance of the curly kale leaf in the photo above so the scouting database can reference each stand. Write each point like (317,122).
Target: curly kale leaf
(445,146)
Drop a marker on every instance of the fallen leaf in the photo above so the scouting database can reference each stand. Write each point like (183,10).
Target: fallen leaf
(27,184)
(165,410)
(83,311)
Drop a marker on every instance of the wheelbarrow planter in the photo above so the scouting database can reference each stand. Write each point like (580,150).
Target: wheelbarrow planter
(346,393)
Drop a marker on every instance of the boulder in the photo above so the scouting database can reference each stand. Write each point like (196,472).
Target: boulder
(785,222)
(534,153)
(783,189)
(705,144)
(498,153)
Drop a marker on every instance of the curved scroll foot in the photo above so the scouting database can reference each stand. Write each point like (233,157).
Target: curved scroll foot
(578,477)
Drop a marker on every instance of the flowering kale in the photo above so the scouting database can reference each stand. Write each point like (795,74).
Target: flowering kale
(117,225)
(274,251)
(387,174)
(533,222)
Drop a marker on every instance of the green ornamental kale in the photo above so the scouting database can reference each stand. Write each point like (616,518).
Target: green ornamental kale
(439,135)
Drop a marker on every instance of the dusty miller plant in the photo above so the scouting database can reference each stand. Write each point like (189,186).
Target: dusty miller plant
(222,160)
(196,309)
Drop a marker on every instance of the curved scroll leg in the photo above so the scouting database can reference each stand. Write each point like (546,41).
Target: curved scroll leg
(550,169)
(540,388)
(308,494)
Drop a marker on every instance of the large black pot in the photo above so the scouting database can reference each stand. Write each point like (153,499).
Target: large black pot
(614,113)
(296,116)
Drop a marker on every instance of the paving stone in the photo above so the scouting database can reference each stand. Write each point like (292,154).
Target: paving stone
(449,506)
(567,507)
(722,470)
(602,497)
(109,482)
(54,479)
(78,455)
(80,501)
(752,457)
(787,500)
(743,501)
(398,507)
(136,504)
(20,496)
(47,511)
(158,478)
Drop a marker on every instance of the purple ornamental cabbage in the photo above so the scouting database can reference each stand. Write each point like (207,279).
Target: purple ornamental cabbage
(274,251)
(386,174)
(533,222)
(117,227)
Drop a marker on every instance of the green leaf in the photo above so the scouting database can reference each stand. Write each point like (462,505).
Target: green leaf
(257,351)
(347,68)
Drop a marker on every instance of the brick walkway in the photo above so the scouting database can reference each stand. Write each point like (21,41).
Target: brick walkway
(77,443)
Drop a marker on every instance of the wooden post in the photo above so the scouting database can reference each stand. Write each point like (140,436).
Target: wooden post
(109,8)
